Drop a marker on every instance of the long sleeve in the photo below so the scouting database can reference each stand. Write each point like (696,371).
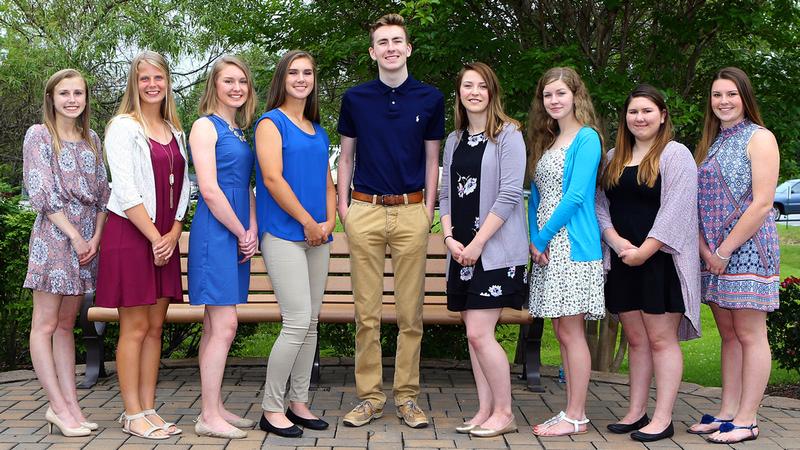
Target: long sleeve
(678,210)
(533,206)
(120,146)
(601,202)
(512,173)
(444,187)
(40,181)
(581,181)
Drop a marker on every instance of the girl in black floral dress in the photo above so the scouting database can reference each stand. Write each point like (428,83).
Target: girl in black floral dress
(484,226)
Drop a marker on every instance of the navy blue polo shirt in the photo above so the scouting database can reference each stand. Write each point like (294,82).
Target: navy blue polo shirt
(390,126)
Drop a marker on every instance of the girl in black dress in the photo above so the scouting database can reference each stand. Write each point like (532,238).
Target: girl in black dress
(643,189)
(485,234)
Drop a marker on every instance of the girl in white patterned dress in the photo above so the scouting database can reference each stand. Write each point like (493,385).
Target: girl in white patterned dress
(566,281)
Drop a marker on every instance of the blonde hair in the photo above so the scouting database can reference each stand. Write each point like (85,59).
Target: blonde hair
(496,118)
(543,129)
(647,172)
(386,20)
(49,110)
(209,99)
(131,104)
(712,123)
(277,87)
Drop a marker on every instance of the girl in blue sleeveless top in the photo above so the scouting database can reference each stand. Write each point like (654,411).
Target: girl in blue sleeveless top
(296,215)
(223,236)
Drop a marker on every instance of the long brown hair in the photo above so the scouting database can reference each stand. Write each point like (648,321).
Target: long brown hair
(131,104)
(49,110)
(712,123)
(647,172)
(496,118)
(209,99)
(543,129)
(277,87)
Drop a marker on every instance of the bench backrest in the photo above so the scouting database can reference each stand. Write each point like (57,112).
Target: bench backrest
(339,288)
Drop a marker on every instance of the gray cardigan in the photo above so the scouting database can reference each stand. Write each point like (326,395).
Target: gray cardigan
(502,178)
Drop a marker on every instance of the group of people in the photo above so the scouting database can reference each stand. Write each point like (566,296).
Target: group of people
(645,232)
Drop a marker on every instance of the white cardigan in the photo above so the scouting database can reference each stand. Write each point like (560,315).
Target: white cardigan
(128,154)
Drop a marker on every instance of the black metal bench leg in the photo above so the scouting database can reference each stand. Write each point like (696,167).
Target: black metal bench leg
(529,347)
(315,376)
(93,334)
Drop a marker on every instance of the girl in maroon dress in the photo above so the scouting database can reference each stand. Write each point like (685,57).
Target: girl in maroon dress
(139,270)
(66,180)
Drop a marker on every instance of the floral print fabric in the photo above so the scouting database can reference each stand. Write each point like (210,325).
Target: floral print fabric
(563,287)
(471,287)
(74,182)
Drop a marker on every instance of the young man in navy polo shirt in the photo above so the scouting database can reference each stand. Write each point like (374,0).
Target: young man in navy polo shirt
(392,126)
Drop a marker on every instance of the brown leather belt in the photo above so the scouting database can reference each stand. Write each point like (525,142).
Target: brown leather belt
(389,199)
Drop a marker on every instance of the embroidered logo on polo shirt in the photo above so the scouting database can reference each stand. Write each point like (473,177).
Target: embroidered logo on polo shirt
(417,118)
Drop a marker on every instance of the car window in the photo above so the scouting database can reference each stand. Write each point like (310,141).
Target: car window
(796,188)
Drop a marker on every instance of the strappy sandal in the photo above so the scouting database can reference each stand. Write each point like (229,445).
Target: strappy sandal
(562,417)
(126,420)
(708,419)
(166,426)
(727,427)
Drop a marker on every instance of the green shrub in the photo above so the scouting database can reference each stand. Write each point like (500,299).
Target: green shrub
(783,326)
(15,302)
(438,341)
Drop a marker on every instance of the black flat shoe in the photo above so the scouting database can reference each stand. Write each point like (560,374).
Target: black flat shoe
(647,437)
(311,424)
(623,428)
(289,432)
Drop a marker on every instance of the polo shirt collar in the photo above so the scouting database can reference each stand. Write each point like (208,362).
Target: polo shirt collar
(402,89)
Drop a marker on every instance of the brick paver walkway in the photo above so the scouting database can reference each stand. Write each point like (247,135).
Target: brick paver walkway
(447,395)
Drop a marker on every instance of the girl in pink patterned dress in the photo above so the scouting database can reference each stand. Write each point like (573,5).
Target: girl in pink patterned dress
(66,179)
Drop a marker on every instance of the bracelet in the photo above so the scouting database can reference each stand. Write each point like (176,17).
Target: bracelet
(716,253)
(445,238)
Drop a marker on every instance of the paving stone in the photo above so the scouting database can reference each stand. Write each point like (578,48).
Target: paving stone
(447,396)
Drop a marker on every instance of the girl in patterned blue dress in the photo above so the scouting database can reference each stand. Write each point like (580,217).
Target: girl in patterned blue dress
(738,169)
(223,236)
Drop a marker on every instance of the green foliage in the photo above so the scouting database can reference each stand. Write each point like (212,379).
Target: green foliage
(15,302)
(783,326)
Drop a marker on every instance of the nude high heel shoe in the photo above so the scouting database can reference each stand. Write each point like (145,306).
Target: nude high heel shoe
(53,419)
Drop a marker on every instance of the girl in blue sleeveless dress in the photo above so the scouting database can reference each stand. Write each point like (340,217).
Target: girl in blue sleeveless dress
(223,237)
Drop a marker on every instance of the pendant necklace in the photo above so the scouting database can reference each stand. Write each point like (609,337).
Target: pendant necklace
(171,159)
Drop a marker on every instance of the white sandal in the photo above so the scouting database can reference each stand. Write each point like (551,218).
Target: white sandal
(166,426)
(562,416)
(148,434)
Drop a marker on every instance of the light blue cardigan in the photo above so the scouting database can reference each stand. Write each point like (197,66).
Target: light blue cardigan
(576,208)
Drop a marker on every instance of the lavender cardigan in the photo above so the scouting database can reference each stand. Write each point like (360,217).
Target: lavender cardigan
(502,178)
(675,226)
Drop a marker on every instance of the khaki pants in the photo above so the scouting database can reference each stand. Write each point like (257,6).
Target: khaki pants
(298,273)
(405,229)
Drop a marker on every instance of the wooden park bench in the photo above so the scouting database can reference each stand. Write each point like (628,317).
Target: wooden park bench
(337,307)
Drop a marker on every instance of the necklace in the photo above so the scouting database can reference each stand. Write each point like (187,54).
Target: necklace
(239,135)
(235,131)
(171,159)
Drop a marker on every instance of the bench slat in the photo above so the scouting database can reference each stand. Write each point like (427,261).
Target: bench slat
(330,313)
(339,265)
(436,247)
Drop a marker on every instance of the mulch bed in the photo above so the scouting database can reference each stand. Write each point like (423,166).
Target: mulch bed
(785,390)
